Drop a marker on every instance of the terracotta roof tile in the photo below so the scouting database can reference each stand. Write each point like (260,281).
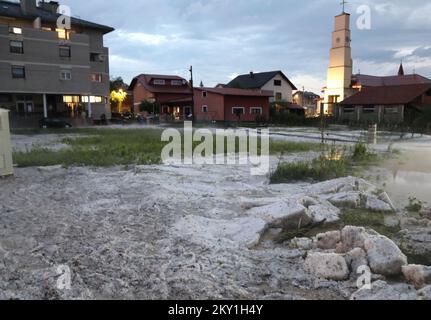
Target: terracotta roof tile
(387,95)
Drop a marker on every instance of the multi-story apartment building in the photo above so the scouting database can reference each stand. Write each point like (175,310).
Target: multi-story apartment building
(50,71)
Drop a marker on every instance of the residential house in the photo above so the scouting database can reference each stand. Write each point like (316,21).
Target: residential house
(172,94)
(47,71)
(307,100)
(388,103)
(231,105)
(274,81)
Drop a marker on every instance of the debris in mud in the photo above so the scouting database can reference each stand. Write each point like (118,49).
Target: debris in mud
(329,266)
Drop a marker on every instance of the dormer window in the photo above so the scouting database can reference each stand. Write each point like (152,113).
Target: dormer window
(159,82)
(176,82)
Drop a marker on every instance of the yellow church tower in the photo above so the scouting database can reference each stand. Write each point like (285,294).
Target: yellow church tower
(338,86)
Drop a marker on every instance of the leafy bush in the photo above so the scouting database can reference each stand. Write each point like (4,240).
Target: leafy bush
(414,205)
(320,169)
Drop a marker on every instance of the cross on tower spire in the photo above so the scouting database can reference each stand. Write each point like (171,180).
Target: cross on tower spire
(344,5)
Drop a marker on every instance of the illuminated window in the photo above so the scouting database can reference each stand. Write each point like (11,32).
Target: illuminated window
(15,30)
(71,99)
(63,34)
(93,99)
(65,75)
(96,77)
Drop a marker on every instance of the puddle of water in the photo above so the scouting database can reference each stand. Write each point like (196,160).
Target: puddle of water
(409,176)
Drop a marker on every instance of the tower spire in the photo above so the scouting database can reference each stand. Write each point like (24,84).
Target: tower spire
(401,70)
(343,3)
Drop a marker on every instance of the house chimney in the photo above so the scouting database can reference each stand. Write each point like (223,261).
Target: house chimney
(251,74)
(51,6)
(28,7)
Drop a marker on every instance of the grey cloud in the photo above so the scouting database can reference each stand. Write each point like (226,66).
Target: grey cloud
(224,37)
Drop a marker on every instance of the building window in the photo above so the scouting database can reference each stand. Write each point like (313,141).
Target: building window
(204,94)
(65,52)
(391,110)
(94,57)
(63,34)
(256,110)
(205,109)
(17,47)
(93,99)
(368,110)
(159,82)
(96,77)
(277,83)
(278,96)
(71,99)
(238,111)
(176,82)
(65,75)
(349,109)
(15,30)
(18,72)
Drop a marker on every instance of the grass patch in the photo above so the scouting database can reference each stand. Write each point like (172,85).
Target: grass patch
(284,147)
(332,164)
(353,217)
(103,147)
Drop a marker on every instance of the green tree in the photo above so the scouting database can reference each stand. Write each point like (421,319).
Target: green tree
(150,107)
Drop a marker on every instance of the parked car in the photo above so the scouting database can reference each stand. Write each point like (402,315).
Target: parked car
(122,118)
(53,123)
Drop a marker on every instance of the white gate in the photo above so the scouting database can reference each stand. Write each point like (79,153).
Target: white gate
(6,166)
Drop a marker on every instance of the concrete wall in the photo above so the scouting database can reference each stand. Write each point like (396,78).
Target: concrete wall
(6,165)
(377,114)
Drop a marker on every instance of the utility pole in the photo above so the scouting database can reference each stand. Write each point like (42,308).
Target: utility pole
(193,93)
(303,96)
(322,122)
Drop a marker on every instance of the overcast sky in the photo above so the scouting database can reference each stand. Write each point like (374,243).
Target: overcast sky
(224,38)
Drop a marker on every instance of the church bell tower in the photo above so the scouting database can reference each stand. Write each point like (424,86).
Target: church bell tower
(338,86)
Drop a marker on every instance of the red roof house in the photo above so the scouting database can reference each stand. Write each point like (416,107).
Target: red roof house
(229,104)
(172,93)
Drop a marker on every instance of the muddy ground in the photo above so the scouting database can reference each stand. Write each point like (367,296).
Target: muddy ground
(117,231)
(114,229)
